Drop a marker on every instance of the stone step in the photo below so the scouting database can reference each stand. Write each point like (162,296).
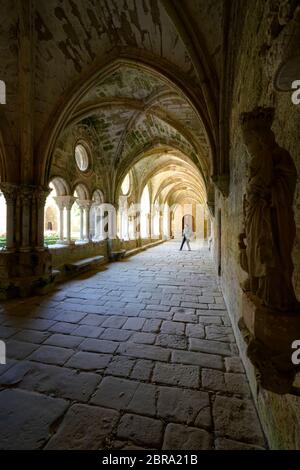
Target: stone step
(84,263)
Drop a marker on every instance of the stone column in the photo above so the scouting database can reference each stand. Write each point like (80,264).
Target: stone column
(26,196)
(68,203)
(97,223)
(60,204)
(40,196)
(81,222)
(87,220)
(10,193)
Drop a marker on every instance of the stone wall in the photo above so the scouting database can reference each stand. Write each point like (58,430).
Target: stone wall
(70,253)
(254,68)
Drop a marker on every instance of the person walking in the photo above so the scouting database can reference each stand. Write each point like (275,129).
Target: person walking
(186,237)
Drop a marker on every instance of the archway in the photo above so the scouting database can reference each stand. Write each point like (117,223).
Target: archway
(54,212)
(189,219)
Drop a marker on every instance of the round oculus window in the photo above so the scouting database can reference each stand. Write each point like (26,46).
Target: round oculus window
(81,157)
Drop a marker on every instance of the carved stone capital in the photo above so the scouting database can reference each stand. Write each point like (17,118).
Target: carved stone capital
(10,191)
(41,194)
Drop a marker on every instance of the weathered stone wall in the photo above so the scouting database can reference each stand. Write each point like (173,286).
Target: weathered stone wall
(253,87)
(68,254)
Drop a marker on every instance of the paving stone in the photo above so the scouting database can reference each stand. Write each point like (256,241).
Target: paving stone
(88,331)
(234,364)
(157,306)
(237,420)
(59,381)
(171,341)
(114,393)
(152,314)
(4,367)
(210,346)
(62,327)
(184,406)
(19,349)
(97,345)
(114,334)
(200,359)
(88,361)
(6,332)
(31,336)
(64,341)
(51,355)
(228,382)
(142,370)
(209,320)
(144,351)
(142,430)
(14,374)
(212,313)
(143,338)
(114,322)
(135,324)
(220,306)
(175,374)
(120,366)
(144,400)
(179,437)
(84,428)
(26,419)
(70,317)
(93,319)
(172,328)
(194,305)
(195,331)
(152,326)
(229,444)
(219,333)
(185,317)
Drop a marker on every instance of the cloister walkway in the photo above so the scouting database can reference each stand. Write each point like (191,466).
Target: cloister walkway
(138,355)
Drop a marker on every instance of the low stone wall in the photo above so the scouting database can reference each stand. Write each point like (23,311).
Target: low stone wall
(62,255)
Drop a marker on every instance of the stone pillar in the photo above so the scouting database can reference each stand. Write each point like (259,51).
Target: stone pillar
(10,194)
(40,196)
(87,220)
(97,224)
(60,204)
(68,203)
(26,263)
(26,208)
(81,223)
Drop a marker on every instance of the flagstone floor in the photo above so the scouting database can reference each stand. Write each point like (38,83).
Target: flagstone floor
(138,355)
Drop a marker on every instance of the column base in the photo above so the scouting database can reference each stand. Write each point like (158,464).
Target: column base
(25,273)
(269,336)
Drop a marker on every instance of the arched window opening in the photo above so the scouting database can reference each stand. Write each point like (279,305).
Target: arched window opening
(125,187)
(52,218)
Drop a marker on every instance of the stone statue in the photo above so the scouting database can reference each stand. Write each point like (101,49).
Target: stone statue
(269,227)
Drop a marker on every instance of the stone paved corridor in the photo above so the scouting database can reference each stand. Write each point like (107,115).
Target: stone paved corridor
(138,355)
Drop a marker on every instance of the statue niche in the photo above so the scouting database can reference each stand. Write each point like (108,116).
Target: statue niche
(269,227)
(270,319)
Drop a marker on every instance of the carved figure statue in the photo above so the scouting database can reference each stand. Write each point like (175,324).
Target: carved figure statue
(269,227)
